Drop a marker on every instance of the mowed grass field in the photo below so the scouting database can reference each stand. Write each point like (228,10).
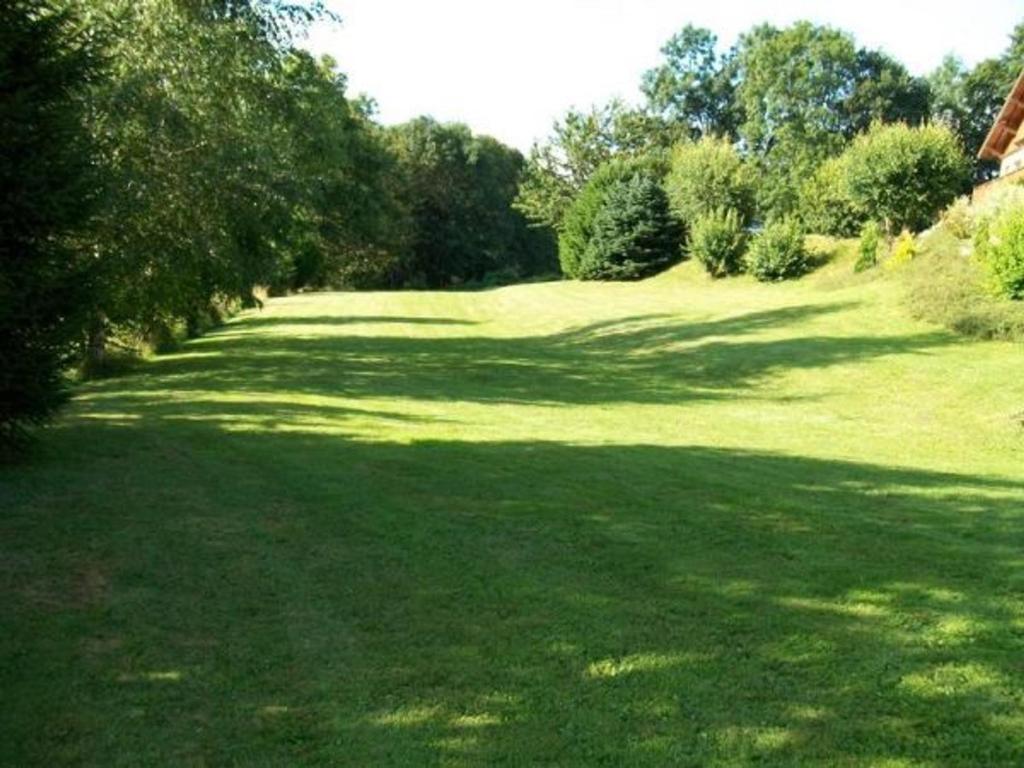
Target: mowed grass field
(664,523)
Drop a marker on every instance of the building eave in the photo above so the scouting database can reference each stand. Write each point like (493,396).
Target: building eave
(1006,125)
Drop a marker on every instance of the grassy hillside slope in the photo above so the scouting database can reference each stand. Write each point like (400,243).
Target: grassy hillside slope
(672,522)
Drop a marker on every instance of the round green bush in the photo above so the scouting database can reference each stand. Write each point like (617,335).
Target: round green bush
(717,240)
(778,253)
(904,177)
(620,226)
(710,175)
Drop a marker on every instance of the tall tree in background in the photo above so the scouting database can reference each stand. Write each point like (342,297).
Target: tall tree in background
(805,92)
(968,100)
(885,92)
(346,223)
(459,189)
(48,190)
(579,144)
(795,84)
(695,87)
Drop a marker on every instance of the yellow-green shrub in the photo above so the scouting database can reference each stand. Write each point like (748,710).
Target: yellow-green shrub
(903,251)
(870,239)
(717,240)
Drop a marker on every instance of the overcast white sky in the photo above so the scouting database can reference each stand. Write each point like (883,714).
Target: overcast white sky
(508,68)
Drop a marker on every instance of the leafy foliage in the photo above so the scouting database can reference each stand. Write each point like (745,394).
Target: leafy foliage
(558,169)
(346,225)
(778,252)
(903,251)
(194,134)
(694,88)
(710,175)
(717,241)
(806,90)
(867,248)
(459,189)
(634,234)
(794,86)
(968,100)
(904,176)
(999,246)
(958,219)
(49,191)
(826,206)
(884,91)
(949,288)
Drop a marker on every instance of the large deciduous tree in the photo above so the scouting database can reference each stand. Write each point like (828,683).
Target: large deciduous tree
(694,88)
(795,85)
(459,189)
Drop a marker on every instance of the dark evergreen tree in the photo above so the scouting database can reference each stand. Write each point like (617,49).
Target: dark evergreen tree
(47,188)
(634,234)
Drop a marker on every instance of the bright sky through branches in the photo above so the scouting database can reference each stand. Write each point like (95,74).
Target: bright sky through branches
(509,68)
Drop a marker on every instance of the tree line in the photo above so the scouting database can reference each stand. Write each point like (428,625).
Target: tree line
(789,99)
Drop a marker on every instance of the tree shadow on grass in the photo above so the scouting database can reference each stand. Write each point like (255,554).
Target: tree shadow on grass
(297,598)
(647,359)
(258,322)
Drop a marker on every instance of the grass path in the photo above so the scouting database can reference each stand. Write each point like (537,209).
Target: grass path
(667,523)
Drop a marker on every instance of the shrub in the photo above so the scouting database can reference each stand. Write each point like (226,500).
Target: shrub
(717,240)
(633,233)
(999,247)
(825,206)
(905,176)
(608,234)
(870,237)
(707,176)
(903,251)
(958,219)
(778,252)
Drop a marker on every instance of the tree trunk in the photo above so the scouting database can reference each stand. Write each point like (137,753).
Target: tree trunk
(193,325)
(96,345)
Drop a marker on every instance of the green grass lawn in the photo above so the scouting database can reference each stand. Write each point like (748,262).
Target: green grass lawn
(665,523)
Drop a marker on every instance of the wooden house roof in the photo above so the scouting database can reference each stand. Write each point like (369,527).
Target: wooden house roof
(1006,125)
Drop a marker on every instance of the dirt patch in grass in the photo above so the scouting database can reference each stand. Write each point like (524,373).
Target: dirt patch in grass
(80,587)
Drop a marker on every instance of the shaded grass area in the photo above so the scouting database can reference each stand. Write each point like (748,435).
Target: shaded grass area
(310,539)
(652,358)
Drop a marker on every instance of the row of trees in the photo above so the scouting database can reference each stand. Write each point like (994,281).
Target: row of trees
(163,159)
(637,214)
(790,99)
